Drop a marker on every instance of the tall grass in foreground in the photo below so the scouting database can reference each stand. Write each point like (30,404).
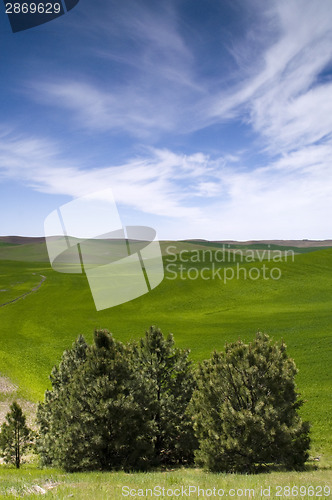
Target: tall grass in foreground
(116,485)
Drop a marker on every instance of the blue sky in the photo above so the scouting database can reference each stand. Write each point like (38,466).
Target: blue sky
(208,118)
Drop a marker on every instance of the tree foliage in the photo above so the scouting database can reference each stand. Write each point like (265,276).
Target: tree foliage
(15,436)
(98,418)
(170,372)
(139,405)
(51,413)
(245,409)
(114,405)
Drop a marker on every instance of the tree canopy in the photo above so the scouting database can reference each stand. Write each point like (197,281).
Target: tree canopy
(114,405)
(142,404)
(245,409)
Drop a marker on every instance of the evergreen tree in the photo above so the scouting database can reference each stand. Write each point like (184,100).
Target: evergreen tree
(118,406)
(170,372)
(15,436)
(50,413)
(245,409)
(101,415)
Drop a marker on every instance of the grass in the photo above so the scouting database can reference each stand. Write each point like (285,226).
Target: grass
(99,485)
(16,280)
(28,252)
(202,314)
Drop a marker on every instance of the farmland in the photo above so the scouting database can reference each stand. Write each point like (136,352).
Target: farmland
(201,310)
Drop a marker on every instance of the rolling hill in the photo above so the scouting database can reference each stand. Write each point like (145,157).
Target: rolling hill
(194,302)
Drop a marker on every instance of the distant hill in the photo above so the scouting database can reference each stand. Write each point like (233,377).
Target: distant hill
(284,243)
(22,240)
(28,240)
(33,249)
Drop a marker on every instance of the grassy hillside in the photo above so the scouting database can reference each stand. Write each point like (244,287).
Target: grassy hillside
(202,313)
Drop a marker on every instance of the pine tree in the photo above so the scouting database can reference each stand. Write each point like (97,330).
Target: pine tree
(245,409)
(111,412)
(118,406)
(170,371)
(100,418)
(50,413)
(15,436)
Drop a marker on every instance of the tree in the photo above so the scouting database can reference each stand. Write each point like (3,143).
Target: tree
(50,413)
(118,406)
(245,409)
(99,415)
(170,371)
(15,436)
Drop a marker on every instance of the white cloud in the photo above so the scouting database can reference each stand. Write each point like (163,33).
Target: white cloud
(286,101)
(291,198)
(150,185)
(278,91)
(148,85)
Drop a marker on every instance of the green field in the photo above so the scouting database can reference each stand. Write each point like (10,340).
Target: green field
(202,313)
(103,486)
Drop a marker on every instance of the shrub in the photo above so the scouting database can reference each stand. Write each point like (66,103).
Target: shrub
(245,409)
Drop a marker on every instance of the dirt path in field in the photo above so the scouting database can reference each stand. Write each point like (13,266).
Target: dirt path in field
(43,278)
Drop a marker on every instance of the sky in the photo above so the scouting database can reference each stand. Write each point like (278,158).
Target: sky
(207,118)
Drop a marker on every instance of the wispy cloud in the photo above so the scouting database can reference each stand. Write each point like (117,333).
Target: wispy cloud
(161,183)
(192,196)
(279,91)
(125,109)
(287,101)
(148,85)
